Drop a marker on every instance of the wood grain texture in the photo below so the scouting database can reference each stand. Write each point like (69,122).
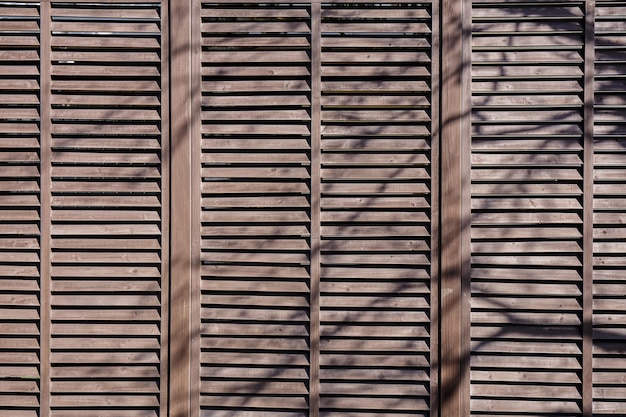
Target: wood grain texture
(530,260)
(260,170)
(24,237)
(106,263)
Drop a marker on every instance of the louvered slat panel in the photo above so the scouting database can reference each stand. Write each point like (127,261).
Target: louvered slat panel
(255,209)
(609,317)
(19,209)
(526,208)
(106,209)
(375,210)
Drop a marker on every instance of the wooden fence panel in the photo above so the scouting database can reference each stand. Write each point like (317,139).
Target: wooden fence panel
(314,214)
(83,272)
(375,209)
(19,210)
(271,120)
(107,200)
(609,319)
(526,197)
(256,141)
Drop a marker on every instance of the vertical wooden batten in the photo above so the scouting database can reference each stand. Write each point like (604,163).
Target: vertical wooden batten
(46,205)
(195,202)
(316,65)
(588,172)
(183,265)
(454,232)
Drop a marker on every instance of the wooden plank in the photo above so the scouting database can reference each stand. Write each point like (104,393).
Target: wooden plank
(376,41)
(254,402)
(381,245)
(254,271)
(103,357)
(530,289)
(530,362)
(380,273)
(124,300)
(109,371)
(95,42)
(258,70)
(103,400)
(255,257)
(256,172)
(105,99)
(373,317)
(108,187)
(365,100)
(268,388)
(379,86)
(354,360)
(509,25)
(106,114)
(518,174)
(366,403)
(88,27)
(588,216)
(105,86)
(357,216)
(510,303)
(111,387)
(97,201)
(45,210)
(254,187)
(521,317)
(374,159)
(99,342)
(525,159)
(505,406)
(527,376)
(539,392)
(110,257)
(257,157)
(345,231)
(105,229)
(375,25)
(374,202)
(104,329)
(105,243)
(293,26)
(107,13)
(231,56)
(502,247)
(374,331)
(112,285)
(105,172)
(507,189)
(105,129)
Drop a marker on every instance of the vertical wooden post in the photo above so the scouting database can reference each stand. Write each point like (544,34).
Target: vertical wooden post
(45,201)
(184,261)
(455,211)
(316,64)
(587,290)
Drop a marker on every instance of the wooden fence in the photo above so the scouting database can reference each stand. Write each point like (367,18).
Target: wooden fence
(312,208)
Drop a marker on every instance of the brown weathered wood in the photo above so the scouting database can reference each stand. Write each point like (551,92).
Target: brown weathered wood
(181,385)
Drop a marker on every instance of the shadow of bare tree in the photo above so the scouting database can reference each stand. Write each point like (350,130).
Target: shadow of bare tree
(324,175)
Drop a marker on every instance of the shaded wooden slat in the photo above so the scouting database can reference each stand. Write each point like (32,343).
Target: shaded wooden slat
(374,148)
(109,12)
(91,27)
